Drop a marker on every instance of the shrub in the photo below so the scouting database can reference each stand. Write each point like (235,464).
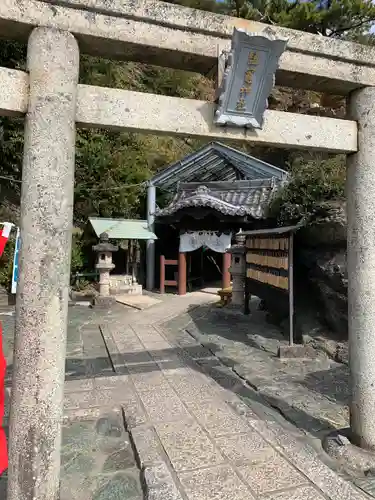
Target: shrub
(311,183)
(77,259)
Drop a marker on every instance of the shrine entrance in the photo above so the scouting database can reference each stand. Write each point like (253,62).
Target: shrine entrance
(207,260)
(204,269)
(206,198)
(54,102)
(199,259)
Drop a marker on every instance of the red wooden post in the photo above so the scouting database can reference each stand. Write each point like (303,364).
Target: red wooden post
(182,273)
(227,257)
(162,274)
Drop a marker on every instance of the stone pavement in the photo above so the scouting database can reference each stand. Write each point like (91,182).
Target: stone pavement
(312,394)
(97,457)
(150,412)
(197,439)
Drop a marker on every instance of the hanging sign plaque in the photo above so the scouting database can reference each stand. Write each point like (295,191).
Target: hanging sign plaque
(248,79)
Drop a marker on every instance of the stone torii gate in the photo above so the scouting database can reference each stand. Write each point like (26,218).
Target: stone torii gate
(49,95)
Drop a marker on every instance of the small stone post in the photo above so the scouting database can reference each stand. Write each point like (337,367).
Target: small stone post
(238,270)
(104,265)
(42,291)
(361,269)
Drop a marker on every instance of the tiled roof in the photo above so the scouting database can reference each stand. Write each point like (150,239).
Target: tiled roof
(215,162)
(238,198)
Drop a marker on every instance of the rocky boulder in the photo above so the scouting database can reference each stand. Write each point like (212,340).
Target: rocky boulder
(326,227)
(321,256)
(327,273)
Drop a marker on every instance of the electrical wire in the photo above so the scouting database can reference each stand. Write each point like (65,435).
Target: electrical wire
(115,188)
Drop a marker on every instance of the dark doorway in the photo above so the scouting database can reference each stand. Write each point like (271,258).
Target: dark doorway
(204,268)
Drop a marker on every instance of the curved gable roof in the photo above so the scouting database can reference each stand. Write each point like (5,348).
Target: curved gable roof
(216,162)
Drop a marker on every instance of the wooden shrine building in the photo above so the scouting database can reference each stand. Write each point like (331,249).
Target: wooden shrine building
(203,200)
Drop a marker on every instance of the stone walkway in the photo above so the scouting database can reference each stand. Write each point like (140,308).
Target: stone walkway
(98,462)
(197,429)
(312,394)
(197,439)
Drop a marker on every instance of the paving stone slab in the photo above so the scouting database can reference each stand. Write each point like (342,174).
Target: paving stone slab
(147,444)
(157,345)
(367,484)
(301,493)
(165,491)
(163,405)
(78,385)
(170,355)
(74,415)
(223,375)
(148,378)
(159,483)
(192,390)
(97,460)
(217,483)
(245,448)
(137,301)
(157,474)
(113,382)
(187,446)
(272,474)
(122,485)
(308,461)
(88,399)
(133,410)
(217,418)
(252,357)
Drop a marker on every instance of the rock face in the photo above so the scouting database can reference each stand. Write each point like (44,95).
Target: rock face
(326,271)
(320,276)
(321,256)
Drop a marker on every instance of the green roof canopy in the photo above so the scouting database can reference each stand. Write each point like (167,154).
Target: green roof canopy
(122,229)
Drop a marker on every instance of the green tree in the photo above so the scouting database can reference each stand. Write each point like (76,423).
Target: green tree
(313,183)
(332,18)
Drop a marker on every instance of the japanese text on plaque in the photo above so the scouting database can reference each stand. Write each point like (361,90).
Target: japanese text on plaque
(252,62)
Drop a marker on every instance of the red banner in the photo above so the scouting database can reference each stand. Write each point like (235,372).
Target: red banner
(3,442)
(4,235)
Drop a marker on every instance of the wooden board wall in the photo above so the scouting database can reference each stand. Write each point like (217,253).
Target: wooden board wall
(267,260)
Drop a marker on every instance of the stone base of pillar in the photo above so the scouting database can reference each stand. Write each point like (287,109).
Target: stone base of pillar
(238,290)
(338,445)
(104,302)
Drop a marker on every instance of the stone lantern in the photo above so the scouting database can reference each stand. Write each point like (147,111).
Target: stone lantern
(104,265)
(238,270)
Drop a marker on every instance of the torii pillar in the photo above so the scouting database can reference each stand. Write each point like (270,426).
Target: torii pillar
(361,269)
(43,288)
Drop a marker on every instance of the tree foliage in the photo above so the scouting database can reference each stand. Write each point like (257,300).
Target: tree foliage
(333,18)
(313,182)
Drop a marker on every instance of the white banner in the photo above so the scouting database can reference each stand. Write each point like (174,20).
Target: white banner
(193,240)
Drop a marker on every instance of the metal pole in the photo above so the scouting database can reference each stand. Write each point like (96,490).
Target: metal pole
(150,248)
